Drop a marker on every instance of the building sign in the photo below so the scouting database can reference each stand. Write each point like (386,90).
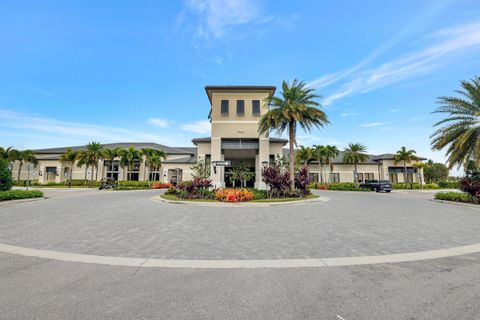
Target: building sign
(225,163)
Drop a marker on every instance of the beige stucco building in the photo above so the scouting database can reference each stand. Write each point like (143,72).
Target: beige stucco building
(234,115)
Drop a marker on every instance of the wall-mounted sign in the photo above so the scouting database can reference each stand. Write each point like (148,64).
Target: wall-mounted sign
(225,163)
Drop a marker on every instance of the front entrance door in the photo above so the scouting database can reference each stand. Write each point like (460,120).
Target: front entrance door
(51,174)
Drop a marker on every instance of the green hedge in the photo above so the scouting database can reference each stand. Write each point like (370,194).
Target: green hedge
(454,196)
(20,194)
(415,186)
(345,186)
(5,176)
(454,184)
(130,185)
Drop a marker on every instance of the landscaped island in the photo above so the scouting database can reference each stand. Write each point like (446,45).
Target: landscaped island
(6,185)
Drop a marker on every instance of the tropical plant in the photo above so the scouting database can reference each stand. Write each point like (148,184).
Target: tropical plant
(460,130)
(155,162)
(319,153)
(354,154)
(276,178)
(111,154)
(295,107)
(7,153)
(420,166)
(128,157)
(5,175)
(304,155)
(84,159)
(331,152)
(201,169)
(25,156)
(302,180)
(405,156)
(95,149)
(69,157)
(242,174)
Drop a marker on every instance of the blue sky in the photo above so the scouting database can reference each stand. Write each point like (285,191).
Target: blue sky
(75,71)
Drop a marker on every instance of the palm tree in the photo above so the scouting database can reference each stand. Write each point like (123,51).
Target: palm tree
(331,153)
(128,157)
(155,161)
(355,154)
(319,153)
(95,150)
(461,131)
(295,107)
(146,154)
(419,166)
(6,153)
(25,156)
(406,156)
(111,154)
(69,157)
(84,159)
(304,155)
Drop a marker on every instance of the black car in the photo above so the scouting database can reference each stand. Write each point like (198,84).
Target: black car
(377,185)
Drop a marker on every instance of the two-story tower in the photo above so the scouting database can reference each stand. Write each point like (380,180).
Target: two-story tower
(234,115)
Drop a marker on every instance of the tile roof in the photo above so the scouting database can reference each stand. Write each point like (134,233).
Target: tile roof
(138,145)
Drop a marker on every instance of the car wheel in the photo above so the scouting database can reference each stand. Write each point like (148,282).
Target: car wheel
(376,189)
(388,191)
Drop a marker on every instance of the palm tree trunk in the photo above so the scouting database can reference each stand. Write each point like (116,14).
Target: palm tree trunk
(71,174)
(321,172)
(331,173)
(355,176)
(405,173)
(19,170)
(86,169)
(291,136)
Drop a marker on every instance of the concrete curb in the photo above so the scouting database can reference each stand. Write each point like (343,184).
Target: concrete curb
(458,204)
(241,264)
(13,202)
(240,204)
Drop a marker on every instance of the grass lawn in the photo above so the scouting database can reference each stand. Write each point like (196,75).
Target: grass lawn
(175,198)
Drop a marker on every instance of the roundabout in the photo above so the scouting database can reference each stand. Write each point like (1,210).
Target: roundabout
(128,229)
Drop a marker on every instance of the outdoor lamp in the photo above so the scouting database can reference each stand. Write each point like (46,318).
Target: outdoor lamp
(265,163)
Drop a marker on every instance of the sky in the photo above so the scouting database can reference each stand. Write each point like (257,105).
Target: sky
(116,71)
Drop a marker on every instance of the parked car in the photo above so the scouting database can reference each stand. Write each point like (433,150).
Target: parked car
(377,185)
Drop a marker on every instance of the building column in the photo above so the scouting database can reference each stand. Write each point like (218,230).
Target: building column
(263,156)
(217,174)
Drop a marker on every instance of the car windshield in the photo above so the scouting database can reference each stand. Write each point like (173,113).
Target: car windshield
(385,181)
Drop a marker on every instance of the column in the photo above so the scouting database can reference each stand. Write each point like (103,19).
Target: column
(216,152)
(263,156)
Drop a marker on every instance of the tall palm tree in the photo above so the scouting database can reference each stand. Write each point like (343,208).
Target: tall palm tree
(95,149)
(156,161)
(69,157)
(85,159)
(296,106)
(331,152)
(128,156)
(460,132)
(111,154)
(405,156)
(355,153)
(25,156)
(319,154)
(304,155)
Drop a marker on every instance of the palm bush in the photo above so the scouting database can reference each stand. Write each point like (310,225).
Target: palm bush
(459,132)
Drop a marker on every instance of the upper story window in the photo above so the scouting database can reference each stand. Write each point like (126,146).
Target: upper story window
(240,107)
(224,108)
(256,107)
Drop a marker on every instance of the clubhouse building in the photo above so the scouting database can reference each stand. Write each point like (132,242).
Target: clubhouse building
(234,115)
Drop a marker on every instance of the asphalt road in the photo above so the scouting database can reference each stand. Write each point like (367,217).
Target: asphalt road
(76,221)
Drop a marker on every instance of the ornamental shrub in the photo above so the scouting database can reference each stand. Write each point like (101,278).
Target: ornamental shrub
(233,195)
(472,187)
(5,176)
(198,188)
(277,179)
(452,184)
(161,185)
(454,196)
(20,194)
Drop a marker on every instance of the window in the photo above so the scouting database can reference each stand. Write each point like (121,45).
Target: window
(240,107)
(112,169)
(224,108)
(369,176)
(393,177)
(208,159)
(334,177)
(256,107)
(65,171)
(359,177)
(154,176)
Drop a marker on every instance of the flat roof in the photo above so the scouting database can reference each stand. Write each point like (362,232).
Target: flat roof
(210,89)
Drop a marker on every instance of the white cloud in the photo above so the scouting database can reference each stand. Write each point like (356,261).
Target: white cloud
(162,123)
(55,131)
(202,126)
(217,16)
(447,42)
(372,124)
(348,114)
